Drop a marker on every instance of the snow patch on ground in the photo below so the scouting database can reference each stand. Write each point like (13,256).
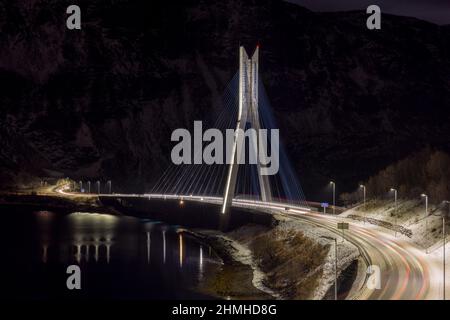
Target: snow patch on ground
(240,252)
(240,239)
(426,229)
(347,252)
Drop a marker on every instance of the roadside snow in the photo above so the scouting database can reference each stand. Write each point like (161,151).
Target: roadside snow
(347,252)
(240,239)
(425,229)
(240,252)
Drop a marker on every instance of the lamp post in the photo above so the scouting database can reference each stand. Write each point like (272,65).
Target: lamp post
(363,187)
(98,187)
(443,249)
(395,202)
(81,186)
(423,195)
(443,256)
(89,187)
(335,263)
(334,196)
(110,186)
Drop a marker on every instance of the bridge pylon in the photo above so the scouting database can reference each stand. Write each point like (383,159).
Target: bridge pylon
(248,116)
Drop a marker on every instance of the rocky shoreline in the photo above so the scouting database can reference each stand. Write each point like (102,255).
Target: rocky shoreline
(236,277)
(283,262)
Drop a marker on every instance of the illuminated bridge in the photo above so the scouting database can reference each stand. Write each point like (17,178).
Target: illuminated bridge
(246,112)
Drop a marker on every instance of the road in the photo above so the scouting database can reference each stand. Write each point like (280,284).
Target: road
(407,272)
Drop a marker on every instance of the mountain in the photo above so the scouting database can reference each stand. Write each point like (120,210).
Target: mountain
(102,101)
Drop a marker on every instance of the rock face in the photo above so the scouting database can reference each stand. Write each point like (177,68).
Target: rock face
(103,101)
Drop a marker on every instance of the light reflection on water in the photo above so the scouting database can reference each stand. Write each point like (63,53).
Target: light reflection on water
(119,256)
(87,231)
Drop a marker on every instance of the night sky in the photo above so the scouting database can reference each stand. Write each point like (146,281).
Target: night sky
(437,11)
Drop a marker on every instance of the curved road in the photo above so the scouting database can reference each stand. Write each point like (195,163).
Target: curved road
(406,271)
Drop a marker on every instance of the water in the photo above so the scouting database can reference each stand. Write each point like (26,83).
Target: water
(120,257)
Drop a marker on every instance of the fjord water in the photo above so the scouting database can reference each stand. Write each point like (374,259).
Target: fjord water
(119,256)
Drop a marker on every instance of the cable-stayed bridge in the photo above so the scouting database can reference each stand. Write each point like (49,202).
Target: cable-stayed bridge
(245,112)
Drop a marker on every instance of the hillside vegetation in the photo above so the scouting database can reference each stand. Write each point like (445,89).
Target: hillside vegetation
(426,172)
(291,261)
(102,102)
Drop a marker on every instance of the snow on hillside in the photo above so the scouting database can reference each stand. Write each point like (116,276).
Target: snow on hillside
(347,252)
(425,230)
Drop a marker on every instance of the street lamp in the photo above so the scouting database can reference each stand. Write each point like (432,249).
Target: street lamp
(395,201)
(334,196)
(335,263)
(364,200)
(443,248)
(423,195)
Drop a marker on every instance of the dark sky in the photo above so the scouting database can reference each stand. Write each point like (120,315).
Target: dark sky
(437,11)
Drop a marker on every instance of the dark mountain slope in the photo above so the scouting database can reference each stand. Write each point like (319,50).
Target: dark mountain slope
(103,101)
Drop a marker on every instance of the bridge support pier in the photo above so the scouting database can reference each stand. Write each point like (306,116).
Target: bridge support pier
(248,114)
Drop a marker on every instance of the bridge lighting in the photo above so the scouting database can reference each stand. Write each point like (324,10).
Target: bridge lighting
(201,199)
(180,236)
(201,258)
(148,246)
(181,202)
(164,245)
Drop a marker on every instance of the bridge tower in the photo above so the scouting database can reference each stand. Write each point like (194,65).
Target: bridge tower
(248,116)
